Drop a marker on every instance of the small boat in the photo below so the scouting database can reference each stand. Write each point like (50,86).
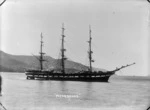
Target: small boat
(88,75)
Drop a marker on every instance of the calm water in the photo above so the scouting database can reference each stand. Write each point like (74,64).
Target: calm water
(121,93)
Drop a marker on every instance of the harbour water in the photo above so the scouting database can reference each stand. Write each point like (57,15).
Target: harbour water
(121,93)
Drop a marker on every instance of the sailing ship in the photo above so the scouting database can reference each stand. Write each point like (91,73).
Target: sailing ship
(62,75)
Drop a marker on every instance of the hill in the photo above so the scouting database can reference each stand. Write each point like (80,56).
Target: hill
(19,63)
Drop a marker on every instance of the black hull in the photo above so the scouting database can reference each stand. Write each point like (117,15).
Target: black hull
(104,79)
(87,77)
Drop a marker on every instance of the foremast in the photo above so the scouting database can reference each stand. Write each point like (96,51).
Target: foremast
(41,59)
(90,50)
(63,58)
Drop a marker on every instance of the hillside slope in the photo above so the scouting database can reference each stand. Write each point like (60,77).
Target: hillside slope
(19,63)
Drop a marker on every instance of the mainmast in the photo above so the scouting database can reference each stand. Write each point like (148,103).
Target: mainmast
(63,51)
(41,53)
(90,50)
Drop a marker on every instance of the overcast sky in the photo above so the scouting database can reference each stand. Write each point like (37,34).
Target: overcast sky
(119,30)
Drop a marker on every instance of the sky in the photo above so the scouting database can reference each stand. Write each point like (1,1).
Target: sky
(120,31)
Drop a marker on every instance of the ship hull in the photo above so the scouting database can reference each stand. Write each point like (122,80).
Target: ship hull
(87,77)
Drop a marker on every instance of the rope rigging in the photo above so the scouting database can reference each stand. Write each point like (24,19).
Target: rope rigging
(2,3)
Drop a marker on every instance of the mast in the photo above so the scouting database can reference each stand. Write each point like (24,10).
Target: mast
(41,53)
(63,51)
(90,50)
